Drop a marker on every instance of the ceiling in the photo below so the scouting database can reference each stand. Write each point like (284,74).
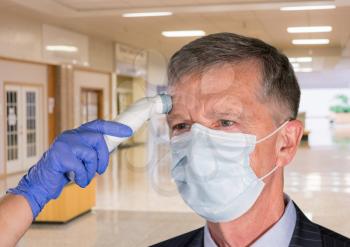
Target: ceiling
(108,4)
(258,18)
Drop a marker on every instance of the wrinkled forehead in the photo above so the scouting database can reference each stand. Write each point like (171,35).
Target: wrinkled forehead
(220,88)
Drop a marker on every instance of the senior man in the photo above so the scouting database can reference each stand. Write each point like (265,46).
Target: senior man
(233,128)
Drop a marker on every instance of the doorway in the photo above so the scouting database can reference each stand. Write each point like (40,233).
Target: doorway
(91,105)
(23,126)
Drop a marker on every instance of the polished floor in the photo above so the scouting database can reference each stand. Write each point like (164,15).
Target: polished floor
(133,210)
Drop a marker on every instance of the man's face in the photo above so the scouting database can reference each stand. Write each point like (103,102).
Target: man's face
(226,97)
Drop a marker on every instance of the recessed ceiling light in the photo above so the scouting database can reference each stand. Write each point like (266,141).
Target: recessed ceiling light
(187,33)
(303,69)
(62,48)
(314,29)
(308,7)
(310,41)
(300,59)
(147,14)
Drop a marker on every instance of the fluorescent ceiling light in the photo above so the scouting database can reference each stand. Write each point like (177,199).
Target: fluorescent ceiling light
(62,48)
(303,69)
(315,29)
(295,65)
(147,14)
(300,59)
(187,33)
(308,7)
(310,41)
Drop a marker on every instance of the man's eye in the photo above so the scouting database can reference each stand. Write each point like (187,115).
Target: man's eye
(181,126)
(226,123)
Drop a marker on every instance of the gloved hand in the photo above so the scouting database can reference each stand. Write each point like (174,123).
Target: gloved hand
(82,151)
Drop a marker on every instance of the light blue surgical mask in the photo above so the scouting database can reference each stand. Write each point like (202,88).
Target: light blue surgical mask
(212,172)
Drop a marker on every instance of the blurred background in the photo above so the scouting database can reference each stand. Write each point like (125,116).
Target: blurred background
(66,62)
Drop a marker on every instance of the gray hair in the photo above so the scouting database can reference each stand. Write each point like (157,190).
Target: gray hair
(280,85)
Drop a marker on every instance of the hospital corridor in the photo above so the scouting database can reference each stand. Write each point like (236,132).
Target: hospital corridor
(174,123)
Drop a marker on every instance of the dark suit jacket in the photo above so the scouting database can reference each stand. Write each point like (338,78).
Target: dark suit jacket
(306,234)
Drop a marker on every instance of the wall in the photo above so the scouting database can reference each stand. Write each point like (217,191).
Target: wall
(335,78)
(101,54)
(21,37)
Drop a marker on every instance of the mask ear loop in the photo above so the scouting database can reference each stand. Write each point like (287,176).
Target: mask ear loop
(272,133)
(267,137)
(269,173)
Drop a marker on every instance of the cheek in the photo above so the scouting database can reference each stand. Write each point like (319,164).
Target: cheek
(263,158)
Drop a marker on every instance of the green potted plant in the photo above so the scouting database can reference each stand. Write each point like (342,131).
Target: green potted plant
(340,109)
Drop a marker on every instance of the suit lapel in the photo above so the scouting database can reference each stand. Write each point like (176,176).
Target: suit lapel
(197,240)
(306,233)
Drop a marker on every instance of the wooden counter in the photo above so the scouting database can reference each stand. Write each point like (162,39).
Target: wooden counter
(72,202)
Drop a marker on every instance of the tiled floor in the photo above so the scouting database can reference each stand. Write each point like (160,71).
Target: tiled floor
(105,228)
(132,212)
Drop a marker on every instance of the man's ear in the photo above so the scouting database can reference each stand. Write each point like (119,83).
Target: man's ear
(288,141)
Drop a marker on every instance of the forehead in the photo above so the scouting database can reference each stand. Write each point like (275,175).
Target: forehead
(222,86)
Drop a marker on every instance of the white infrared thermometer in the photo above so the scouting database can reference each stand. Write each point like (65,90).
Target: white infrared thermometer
(135,116)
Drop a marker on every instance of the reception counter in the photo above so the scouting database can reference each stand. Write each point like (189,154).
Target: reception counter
(72,202)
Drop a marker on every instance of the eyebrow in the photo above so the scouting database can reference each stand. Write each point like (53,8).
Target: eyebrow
(176,116)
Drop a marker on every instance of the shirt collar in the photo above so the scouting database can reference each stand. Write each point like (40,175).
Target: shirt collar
(280,233)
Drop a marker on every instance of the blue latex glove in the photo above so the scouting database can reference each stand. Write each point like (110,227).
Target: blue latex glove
(82,151)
